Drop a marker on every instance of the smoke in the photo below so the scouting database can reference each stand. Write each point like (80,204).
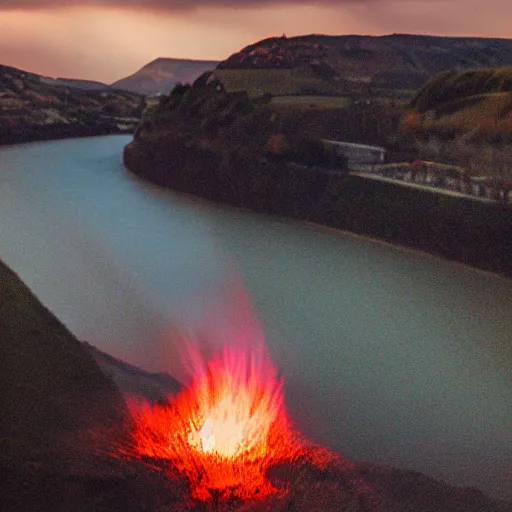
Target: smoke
(214,318)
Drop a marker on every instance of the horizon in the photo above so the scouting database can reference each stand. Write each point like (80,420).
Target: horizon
(220,60)
(106,40)
(185,59)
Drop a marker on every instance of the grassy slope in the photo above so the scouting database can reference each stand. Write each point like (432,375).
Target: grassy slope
(50,387)
(461,101)
(457,84)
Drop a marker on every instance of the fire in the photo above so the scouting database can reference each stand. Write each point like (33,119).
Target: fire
(225,429)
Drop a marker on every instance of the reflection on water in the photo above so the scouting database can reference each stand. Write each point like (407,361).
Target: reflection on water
(388,355)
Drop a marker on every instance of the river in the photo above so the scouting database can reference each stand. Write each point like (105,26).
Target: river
(388,355)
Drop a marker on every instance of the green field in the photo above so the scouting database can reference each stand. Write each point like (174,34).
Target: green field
(313,101)
(277,82)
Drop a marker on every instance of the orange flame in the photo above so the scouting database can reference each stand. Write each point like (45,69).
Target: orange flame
(225,429)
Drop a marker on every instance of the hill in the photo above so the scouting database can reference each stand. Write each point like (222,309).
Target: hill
(395,64)
(464,117)
(223,146)
(161,75)
(34,108)
(455,85)
(87,85)
(133,381)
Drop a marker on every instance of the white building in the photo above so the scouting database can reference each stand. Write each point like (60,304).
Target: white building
(358,154)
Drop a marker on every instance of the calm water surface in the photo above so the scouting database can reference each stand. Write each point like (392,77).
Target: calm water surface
(388,355)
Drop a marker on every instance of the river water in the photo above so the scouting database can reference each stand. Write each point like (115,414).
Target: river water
(388,355)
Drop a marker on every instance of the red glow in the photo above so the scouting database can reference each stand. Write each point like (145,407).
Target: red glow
(225,429)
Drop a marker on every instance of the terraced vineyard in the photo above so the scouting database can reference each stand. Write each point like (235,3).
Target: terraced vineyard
(340,102)
(277,82)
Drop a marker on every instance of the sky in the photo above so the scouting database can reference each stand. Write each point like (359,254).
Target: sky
(107,40)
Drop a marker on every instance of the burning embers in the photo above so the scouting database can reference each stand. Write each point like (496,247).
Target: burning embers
(225,429)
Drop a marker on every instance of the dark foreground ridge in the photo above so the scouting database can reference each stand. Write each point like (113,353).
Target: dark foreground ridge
(63,421)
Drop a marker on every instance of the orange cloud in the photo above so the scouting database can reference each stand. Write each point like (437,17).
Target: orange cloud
(106,45)
(167,5)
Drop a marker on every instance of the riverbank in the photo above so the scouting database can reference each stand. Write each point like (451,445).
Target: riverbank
(457,228)
(37,133)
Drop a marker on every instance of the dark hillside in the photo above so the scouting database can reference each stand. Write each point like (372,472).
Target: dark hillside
(398,62)
(224,147)
(87,85)
(54,398)
(33,108)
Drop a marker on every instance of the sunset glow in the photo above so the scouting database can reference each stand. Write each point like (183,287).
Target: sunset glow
(107,43)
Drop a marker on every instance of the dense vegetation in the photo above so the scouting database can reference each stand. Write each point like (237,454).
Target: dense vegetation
(227,148)
(231,122)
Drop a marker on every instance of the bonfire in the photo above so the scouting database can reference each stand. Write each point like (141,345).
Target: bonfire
(225,429)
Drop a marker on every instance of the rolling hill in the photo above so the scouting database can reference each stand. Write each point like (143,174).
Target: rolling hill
(397,64)
(161,75)
(457,102)
(34,108)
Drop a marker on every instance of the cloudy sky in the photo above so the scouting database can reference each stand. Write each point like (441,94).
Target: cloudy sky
(108,39)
